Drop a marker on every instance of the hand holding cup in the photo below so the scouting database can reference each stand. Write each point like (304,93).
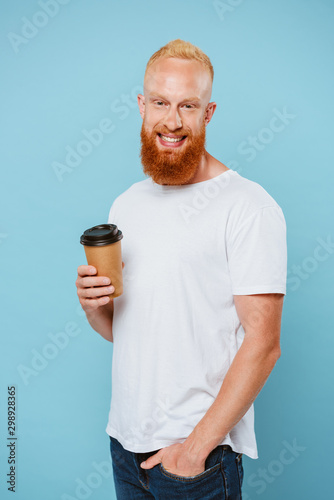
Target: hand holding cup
(93,291)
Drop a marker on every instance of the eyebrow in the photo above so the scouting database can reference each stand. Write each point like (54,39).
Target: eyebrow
(154,95)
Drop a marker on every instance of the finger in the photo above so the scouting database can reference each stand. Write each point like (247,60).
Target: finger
(93,281)
(94,303)
(99,291)
(152,461)
(86,270)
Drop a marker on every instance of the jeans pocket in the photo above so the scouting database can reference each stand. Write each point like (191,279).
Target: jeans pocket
(189,479)
(212,464)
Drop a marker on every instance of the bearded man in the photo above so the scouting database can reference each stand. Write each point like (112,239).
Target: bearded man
(196,332)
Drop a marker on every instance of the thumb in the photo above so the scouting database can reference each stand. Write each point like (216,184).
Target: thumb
(152,461)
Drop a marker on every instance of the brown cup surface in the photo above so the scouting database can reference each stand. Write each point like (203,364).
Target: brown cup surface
(107,260)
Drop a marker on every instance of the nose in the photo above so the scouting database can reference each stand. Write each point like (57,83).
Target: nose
(172,119)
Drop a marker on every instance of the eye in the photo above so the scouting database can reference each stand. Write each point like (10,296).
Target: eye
(188,106)
(159,103)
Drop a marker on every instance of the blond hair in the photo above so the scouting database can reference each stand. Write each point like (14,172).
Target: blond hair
(181,50)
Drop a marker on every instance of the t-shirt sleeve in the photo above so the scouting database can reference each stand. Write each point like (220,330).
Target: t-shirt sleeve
(257,253)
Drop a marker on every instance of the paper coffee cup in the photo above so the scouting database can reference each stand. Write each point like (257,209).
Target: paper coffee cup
(102,246)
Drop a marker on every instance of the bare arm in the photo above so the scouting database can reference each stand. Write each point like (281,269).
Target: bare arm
(260,316)
(93,294)
(101,320)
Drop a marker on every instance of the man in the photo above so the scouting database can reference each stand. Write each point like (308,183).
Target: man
(196,332)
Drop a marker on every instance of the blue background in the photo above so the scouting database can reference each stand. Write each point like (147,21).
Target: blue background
(86,64)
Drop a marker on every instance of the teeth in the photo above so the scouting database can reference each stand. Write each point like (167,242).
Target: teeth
(170,139)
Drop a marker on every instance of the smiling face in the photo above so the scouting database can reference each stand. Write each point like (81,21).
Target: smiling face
(175,109)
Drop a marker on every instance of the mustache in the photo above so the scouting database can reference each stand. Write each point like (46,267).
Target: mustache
(178,134)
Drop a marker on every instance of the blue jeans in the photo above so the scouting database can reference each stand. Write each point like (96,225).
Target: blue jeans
(221,480)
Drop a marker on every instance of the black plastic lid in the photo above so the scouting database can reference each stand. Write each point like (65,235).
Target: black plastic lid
(101,235)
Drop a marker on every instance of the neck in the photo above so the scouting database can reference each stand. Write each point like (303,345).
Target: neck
(208,168)
(202,169)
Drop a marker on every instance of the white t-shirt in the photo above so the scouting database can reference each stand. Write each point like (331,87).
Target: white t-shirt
(187,250)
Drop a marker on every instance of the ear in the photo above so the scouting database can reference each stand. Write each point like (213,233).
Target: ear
(210,109)
(141,104)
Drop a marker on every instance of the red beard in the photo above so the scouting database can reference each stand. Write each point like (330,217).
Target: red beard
(173,166)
